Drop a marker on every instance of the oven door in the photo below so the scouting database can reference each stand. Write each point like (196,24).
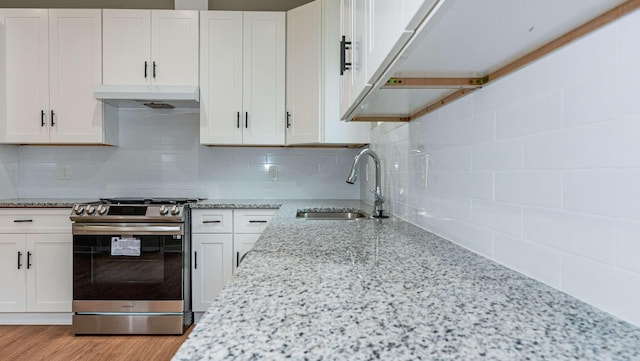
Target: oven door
(128,261)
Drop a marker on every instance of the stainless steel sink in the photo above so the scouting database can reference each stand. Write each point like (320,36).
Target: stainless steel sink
(337,216)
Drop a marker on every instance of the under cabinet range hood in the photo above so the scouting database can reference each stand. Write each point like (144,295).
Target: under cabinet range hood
(153,96)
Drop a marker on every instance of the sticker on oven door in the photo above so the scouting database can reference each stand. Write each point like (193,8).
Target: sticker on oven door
(125,246)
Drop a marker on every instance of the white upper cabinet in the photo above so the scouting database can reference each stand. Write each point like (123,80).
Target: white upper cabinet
(242,78)
(313,78)
(384,32)
(150,47)
(50,65)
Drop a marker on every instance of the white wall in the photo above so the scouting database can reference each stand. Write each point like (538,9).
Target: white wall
(539,171)
(159,155)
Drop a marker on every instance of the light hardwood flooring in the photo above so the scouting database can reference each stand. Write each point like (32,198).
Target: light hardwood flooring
(57,343)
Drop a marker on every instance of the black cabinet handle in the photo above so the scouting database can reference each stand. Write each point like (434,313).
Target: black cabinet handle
(154,69)
(241,258)
(238,120)
(28,260)
(52,121)
(146,65)
(237,259)
(195,260)
(22,220)
(19,260)
(344,46)
(42,118)
(211,221)
(288,118)
(246,119)
(258,221)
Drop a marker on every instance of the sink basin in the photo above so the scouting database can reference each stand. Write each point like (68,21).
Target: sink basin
(337,216)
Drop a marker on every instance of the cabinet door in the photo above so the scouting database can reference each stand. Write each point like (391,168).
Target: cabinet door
(382,34)
(346,30)
(242,243)
(211,267)
(304,61)
(264,78)
(174,47)
(50,273)
(126,46)
(13,265)
(359,50)
(24,76)
(221,114)
(75,63)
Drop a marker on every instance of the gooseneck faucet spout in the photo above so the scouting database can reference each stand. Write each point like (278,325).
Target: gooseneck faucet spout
(377,193)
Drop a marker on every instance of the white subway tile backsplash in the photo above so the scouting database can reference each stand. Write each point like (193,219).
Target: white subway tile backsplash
(535,115)
(469,184)
(572,148)
(604,98)
(611,289)
(628,39)
(475,130)
(605,192)
(535,188)
(628,245)
(159,155)
(584,235)
(497,216)
(534,260)
(450,159)
(505,154)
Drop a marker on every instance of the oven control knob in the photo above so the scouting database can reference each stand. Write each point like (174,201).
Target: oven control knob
(102,210)
(78,209)
(164,210)
(175,210)
(91,210)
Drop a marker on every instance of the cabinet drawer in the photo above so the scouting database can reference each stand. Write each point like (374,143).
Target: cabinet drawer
(30,220)
(212,221)
(252,220)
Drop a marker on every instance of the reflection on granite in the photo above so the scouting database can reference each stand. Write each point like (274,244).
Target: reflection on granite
(371,289)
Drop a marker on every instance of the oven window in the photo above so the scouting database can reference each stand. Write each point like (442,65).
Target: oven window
(100,273)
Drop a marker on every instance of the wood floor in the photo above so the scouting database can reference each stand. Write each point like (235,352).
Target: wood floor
(57,343)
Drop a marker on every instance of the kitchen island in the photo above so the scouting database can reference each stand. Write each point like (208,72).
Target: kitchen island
(385,289)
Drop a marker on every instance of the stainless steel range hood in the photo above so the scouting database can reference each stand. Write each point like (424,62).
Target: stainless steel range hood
(154,96)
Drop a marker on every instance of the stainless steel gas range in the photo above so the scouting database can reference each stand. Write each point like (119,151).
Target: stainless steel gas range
(131,266)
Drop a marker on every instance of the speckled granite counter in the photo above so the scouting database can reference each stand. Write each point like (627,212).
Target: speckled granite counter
(237,204)
(361,290)
(42,202)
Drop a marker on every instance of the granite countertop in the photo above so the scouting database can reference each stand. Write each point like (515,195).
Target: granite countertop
(369,289)
(42,202)
(237,204)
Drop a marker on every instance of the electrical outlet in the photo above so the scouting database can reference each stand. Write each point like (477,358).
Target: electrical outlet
(273,173)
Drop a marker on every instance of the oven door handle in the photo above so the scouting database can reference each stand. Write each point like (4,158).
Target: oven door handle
(117,229)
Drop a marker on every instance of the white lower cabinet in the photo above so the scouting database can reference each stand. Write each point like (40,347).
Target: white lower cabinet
(212,267)
(220,239)
(36,262)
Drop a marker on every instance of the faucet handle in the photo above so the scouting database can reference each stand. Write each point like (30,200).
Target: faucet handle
(378,196)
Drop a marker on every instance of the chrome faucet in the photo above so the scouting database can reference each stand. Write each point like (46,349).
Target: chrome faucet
(377,193)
